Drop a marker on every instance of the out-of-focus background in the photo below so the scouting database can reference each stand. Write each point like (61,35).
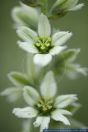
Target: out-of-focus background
(12,59)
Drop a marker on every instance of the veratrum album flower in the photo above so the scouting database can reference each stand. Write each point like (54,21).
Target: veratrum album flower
(45,106)
(21,16)
(43,44)
(19,80)
(67,5)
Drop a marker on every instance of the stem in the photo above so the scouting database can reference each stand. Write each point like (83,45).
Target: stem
(45,7)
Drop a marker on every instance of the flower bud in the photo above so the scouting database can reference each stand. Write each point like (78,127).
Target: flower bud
(61,7)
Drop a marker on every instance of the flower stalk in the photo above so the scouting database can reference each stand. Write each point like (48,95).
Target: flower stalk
(48,59)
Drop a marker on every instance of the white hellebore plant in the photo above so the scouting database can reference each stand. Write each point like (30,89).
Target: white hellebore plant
(43,44)
(46,106)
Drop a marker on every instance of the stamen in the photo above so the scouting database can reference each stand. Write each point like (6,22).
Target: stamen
(43,44)
(45,107)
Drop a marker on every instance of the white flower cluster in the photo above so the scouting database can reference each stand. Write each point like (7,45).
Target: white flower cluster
(49,56)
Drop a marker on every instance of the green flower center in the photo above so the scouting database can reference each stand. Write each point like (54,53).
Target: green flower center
(43,44)
(45,107)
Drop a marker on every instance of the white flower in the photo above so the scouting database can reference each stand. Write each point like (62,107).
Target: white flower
(21,16)
(19,80)
(43,44)
(66,64)
(67,5)
(45,106)
(73,69)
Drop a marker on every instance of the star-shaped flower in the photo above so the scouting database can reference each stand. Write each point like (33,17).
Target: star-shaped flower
(43,44)
(45,106)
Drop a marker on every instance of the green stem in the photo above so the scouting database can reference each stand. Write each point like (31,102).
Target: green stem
(45,7)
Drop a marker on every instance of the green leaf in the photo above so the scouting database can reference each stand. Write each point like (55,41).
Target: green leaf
(18,79)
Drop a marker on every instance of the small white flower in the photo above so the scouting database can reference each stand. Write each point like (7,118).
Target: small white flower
(21,15)
(45,106)
(66,64)
(67,5)
(19,80)
(43,44)
(73,69)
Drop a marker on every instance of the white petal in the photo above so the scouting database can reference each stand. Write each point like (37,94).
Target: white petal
(62,111)
(27,112)
(42,59)
(38,121)
(81,70)
(57,49)
(48,87)
(26,33)
(12,94)
(58,35)
(35,13)
(77,7)
(61,37)
(21,15)
(44,28)
(28,47)
(43,122)
(18,79)
(65,100)
(57,3)
(69,4)
(31,95)
(60,117)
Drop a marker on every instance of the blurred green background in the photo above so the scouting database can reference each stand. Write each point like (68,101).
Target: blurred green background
(12,59)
